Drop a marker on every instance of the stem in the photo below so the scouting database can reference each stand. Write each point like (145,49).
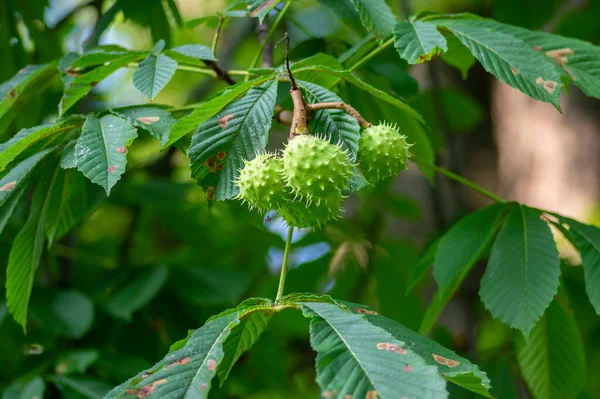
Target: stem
(466,182)
(258,54)
(215,41)
(372,54)
(201,70)
(344,107)
(286,254)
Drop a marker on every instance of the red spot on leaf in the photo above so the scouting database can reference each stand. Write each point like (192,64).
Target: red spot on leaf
(112,168)
(549,85)
(408,368)
(537,48)
(211,364)
(145,391)
(203,387)
(211,163)
(391,348)
(73,73)
(221,155)
(328,394)
(220,167)
(514,70)
(12,94)
(224,121)
(122,150)
(183,361)
(9,186)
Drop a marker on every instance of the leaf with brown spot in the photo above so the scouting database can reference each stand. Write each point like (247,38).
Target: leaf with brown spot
(147,390)
(190,368)
(514,70)
(351,352)
(224,121)
(148,119)
(445,361)
(244,135)
(122,150)
(372,395)
(364,311)
(8,186)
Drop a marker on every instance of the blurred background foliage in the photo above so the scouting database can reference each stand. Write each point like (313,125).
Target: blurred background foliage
(154,260)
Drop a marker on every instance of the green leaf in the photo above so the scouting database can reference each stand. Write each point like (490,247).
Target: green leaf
(80,387)
(100,152)
(210,108)
(465,243)
(76,361)
(552,360)
(79,87)
(318,59)
(67,204)
(587,241)
(508,58)
(335,124)
(523,270)
(376,16)
(67,159)
(66,313)
(25,253)
(25,138)
(452,367)
(9,207)
(137,293)
(155,120)
(101,55)
(16,93)
(357,358)
(153,74)
(241,339)
(576,59)
(458,55)
(192,54)
(14,179)
(21,389)
(189,370)
(239,132)
(418,41)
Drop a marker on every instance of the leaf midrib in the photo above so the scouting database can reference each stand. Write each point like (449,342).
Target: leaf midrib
(346,344)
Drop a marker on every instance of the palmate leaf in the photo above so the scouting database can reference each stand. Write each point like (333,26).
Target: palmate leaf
(25,138)
(508,58)
(417,41)
(15,93)
(356,359)
(240,131)
(188,370)
(552,360)
(587,240)
(26,250)
(153,74)
(452,367)
(466,241)
(101,151)
(376,16)
(334,124)
(79,87)
(522,274)
(67,204)
(210,108)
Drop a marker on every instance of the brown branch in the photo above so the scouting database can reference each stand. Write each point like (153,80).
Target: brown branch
(221,74)
(344,107)
(299,119)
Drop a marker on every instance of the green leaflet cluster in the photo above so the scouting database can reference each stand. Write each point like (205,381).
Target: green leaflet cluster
(359,353)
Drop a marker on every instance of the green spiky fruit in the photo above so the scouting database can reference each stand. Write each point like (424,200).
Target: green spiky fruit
(315,169)
(382,152)
(302,214)
(260,182)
